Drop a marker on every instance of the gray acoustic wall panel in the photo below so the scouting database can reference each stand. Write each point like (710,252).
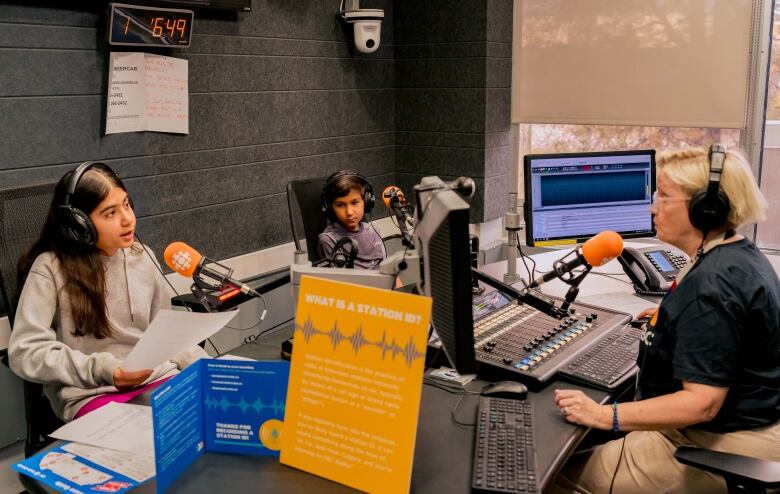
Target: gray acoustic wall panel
(453,76)
(276,94)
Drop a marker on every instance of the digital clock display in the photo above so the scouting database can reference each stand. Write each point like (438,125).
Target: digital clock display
(133,25)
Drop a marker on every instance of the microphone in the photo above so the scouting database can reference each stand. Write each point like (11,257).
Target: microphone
(188,262)
(464,186)
(596,251)
(395,200)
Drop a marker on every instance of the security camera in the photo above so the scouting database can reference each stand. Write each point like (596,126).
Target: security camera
(367,24)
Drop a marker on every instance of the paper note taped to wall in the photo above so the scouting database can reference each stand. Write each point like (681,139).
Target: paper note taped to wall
(147,92)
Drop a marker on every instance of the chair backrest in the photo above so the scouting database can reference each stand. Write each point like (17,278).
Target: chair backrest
(304,199)
(23,212)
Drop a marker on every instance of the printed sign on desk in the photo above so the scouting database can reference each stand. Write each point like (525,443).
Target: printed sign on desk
(217,405)
(355,382)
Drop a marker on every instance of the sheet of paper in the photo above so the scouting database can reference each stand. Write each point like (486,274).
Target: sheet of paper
(228,356)
(147,92)
(619,301)
(132,465)
(167,96)
(119,426)
(172,332)
(126,107)
(77,468)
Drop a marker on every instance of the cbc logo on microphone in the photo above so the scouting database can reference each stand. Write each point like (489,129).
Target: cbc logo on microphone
(181,260)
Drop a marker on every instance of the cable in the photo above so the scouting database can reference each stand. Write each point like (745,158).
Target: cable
(454,412)
(253,337)
(371,223)
(453,390)
(620,458)
(636,395)
(614,277)
(258,323)
(214,347)
(159,269)
(532,272)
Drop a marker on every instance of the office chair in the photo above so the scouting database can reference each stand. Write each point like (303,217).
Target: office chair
(22,215)
(304,198)
(743,474)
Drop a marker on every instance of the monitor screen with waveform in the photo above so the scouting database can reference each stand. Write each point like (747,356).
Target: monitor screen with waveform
(572,197)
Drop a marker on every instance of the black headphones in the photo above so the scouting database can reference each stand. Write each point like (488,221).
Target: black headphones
(368,193)
(75,225)
(343,258)
(709,207)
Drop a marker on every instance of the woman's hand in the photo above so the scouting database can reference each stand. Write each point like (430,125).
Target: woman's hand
(579,409)
(126,380)
(647,313)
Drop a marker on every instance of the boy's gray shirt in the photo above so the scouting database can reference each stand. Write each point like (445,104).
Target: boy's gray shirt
(371,249)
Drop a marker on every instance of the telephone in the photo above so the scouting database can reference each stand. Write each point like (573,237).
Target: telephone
(652,269)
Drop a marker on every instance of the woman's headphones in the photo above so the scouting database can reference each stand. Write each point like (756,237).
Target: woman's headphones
(709,207)
(343,258)
(74,223)
(368,193)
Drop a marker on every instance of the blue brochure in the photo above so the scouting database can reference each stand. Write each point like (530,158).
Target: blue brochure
(66,470)
(228,406)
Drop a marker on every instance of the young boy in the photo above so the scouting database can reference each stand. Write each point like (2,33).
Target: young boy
(346,198)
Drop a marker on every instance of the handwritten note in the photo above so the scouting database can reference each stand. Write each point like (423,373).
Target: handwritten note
(147,92)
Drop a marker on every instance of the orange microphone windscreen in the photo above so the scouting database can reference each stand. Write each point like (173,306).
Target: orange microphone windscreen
(182,258)
(387,194)
(602,248)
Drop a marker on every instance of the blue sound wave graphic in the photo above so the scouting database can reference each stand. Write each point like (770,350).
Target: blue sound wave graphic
(357,340)
(257,406)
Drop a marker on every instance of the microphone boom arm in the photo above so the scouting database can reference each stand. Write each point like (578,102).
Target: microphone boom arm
(525,295)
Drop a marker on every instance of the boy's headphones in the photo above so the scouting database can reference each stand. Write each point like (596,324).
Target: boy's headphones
(342,257)
(75,225)
(709,207)
(368,193)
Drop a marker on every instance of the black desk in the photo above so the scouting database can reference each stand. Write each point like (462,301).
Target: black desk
(442,457)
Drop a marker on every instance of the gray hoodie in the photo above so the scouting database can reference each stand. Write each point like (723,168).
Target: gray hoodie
(74,369)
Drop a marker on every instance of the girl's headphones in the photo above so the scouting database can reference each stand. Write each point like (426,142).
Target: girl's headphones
(709,207)
(74,223)
(368,193)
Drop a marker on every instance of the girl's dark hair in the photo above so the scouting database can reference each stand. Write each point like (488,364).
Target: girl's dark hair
(81,265)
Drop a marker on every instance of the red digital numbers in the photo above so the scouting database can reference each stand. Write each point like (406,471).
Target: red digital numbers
(170,26)
(157,26)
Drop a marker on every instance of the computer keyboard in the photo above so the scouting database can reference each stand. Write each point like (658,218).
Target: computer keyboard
(610,362)
(504,458)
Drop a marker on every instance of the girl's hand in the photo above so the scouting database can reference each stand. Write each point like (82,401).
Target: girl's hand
(126,380)
(579,409)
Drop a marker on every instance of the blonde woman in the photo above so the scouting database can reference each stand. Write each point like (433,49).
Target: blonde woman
(710,356)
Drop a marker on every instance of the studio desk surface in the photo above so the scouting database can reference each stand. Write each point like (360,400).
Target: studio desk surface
(442,457)
(443,450)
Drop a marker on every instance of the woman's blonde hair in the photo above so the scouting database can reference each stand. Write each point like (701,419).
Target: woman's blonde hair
(689,168)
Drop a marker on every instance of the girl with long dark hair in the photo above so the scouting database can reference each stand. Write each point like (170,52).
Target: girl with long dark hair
(87,292)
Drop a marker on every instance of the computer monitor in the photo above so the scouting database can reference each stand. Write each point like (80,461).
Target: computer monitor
(441,237)
(571,197)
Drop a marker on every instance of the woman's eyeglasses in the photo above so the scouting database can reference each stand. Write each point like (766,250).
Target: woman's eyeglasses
(662,200)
